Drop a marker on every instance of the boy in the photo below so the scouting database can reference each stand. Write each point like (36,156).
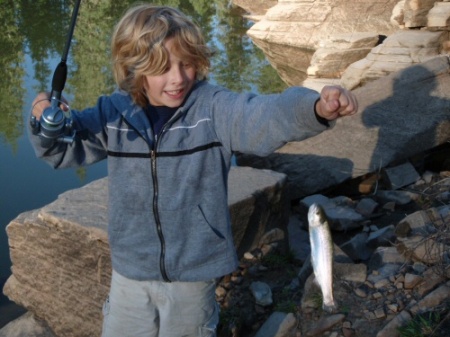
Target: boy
(169,137)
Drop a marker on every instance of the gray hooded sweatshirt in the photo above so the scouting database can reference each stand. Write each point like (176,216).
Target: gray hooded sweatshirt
(168,210)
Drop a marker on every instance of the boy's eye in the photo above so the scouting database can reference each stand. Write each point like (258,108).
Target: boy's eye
(187,64)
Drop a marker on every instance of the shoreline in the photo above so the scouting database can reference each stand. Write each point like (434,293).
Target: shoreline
(9,311)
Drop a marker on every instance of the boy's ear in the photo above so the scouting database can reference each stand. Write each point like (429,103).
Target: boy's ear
(144,83)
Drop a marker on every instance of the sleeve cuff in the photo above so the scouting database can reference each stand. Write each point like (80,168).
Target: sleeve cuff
(320,119)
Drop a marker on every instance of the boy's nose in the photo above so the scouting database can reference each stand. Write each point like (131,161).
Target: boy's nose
(176,74)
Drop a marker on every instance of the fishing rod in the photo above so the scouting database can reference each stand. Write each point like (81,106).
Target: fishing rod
(54,124)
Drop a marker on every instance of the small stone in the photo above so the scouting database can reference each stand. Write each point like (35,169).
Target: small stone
(249,256)
(262,293)
(411,280)
(393,307)
(379,313)
(381,283)
(220,292)
(347,324)
(370,316)
(369,284)
(373,228)
(366,206)
(360,292)
(348,332)
(237,279)
(266,249)
(389,206)
(400,279)
(377,295)
(427,176)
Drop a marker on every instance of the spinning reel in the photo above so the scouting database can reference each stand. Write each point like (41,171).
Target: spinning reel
(55,125)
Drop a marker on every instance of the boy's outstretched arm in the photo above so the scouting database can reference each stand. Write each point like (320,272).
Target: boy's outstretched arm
(335,102)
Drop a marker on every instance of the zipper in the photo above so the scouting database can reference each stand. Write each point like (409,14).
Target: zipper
(162,263)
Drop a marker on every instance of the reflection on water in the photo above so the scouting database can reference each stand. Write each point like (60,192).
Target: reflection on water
(32,40)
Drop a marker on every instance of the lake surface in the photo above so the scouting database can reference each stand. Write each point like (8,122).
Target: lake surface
(32,41)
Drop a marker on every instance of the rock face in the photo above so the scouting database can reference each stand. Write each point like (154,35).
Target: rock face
(340,51)
(291,31)
(60,254)
(400,115)
(61,265)
(386,53)
(399,51)
(312,43)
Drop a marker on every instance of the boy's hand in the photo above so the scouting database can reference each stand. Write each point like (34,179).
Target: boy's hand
(335,102)
(41,102)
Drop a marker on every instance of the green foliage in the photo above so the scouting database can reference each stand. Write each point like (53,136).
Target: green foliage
(421,325)
(345,309)
(287,306)
(90,73)
(11,89)
(279,260)
(38,29)
(44,26)
(285,301)
(229,318)
(317,299)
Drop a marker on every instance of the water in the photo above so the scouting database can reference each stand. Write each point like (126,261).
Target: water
(32,40)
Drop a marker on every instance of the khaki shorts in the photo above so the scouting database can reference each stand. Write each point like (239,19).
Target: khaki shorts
(154,308)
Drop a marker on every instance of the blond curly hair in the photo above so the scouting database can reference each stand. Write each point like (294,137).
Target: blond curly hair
(138,46)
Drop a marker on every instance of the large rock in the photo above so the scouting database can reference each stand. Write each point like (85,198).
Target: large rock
(416,11)
(399,115)
(398,51)
(333,57)
(291,31)
(438,16)
(60,253)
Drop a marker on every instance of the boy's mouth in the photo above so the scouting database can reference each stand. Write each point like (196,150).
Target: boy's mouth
(175,93)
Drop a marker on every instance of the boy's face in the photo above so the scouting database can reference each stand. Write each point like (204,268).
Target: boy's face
(171,88)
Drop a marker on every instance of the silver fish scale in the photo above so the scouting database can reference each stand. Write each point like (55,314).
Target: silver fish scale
(322,254)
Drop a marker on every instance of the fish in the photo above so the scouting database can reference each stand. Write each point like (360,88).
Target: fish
(322,255)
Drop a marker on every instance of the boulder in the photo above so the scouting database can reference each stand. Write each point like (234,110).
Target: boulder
(398,51)
(60,254)
(291,31)
(400,115)
(334,55)
(439,15)
(415,12)
(398,14)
